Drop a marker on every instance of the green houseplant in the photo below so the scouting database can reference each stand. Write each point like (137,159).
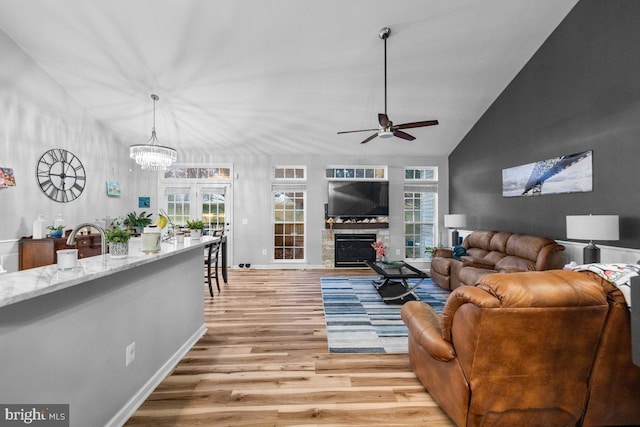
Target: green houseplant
(431,250)
(136,221)
(118,240)
(56,232)
(195,228)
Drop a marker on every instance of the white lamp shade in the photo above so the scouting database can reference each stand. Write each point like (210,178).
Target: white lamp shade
(593,227)
(455,220)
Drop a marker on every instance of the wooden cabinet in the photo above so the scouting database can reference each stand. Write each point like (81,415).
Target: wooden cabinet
(38,252)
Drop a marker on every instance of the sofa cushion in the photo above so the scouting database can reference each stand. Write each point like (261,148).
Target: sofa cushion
(470,261)
(471,275)
(477,253)
(478,239)
(514,263)
(499,241)
(527,247)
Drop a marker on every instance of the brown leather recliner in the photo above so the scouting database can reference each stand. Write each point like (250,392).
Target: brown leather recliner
(515,349)
(614,397)
(495,252)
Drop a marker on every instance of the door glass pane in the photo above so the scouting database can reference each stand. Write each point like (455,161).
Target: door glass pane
(213,210)
(288,225)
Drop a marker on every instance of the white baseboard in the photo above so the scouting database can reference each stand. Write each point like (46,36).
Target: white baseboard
(138,399)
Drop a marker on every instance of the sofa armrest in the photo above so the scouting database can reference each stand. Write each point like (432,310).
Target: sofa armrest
(424,324)
(443,253)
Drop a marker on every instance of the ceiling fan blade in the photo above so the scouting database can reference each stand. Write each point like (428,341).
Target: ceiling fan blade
(362,130)
(383,119)
(403,135)
(416,124)
(370,138)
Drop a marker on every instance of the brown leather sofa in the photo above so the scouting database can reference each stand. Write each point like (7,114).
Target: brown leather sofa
(494,252)
(549,348)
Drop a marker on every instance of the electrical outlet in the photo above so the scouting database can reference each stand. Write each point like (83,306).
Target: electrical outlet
(130,353)
(264,252)
(397,251)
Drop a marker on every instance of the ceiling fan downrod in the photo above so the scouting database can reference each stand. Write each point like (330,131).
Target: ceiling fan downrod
(384,35)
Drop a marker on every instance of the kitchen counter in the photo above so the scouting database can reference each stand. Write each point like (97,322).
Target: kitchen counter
(102,336)
(27,284)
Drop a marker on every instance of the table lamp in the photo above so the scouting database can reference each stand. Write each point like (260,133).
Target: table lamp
(455,221)
(592,227)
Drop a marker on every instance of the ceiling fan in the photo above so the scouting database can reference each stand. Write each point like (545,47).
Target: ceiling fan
(387,129)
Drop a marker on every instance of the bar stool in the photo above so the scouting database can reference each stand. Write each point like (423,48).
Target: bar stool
(211,261)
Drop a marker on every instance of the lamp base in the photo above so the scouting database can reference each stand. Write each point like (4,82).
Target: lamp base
(455,237)
(591,254)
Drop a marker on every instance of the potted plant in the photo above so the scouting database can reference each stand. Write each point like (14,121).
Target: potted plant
(137,222)
(195,228)
(431,250)
(118,240)
(56,231)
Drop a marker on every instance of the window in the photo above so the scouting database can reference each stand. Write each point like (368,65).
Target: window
(178,204)
(420,211)
(289,222)
(296,173)
(356,172)
(199,173)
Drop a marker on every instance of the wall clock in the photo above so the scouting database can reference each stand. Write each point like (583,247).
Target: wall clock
(60,175)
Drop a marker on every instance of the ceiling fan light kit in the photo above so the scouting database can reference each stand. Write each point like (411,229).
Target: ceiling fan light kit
(386,128)
(152,155)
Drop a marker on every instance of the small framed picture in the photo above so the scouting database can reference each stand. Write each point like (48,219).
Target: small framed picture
(113,188)
(144,202)
(6,177)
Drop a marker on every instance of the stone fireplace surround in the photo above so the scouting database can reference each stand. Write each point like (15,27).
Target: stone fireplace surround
(328,242)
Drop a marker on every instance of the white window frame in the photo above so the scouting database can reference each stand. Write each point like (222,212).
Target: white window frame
(426,184)
(368,173)
(289,184)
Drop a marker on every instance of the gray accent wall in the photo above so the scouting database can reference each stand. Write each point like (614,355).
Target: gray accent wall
(579,92)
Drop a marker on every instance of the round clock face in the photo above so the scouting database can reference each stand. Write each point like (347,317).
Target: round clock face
(61,175)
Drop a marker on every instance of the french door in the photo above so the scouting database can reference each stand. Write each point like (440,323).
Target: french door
(209,202)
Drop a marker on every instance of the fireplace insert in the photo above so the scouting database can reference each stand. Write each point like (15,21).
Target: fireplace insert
(352,250)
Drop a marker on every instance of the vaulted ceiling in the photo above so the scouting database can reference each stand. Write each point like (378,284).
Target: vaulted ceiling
(283,76)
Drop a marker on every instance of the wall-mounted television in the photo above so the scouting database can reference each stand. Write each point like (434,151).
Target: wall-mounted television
(358,198)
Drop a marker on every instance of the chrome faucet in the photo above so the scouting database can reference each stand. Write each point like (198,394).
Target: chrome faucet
(71,240)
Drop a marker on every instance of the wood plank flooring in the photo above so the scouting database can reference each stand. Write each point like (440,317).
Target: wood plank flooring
(264,362)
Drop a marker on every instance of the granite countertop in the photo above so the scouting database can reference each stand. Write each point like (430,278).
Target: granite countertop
(27,284)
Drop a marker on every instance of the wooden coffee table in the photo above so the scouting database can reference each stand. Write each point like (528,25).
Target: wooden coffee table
(393,286)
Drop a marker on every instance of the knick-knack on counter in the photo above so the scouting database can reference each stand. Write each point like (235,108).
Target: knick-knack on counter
(39,227)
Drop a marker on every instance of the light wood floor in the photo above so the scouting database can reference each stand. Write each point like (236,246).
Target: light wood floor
(264,362)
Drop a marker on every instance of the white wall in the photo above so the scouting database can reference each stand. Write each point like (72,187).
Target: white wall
(37,114)
(252,200)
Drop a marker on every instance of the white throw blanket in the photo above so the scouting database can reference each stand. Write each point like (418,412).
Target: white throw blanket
(618,274)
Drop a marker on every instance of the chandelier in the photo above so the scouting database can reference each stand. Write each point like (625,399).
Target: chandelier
(152,155)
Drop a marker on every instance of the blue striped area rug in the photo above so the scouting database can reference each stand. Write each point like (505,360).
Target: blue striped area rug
(358,320)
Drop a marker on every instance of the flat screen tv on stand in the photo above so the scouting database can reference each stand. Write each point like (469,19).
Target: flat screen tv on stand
(358,198)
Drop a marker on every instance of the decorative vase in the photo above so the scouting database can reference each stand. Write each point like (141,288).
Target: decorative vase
(118,250)
(195,234)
